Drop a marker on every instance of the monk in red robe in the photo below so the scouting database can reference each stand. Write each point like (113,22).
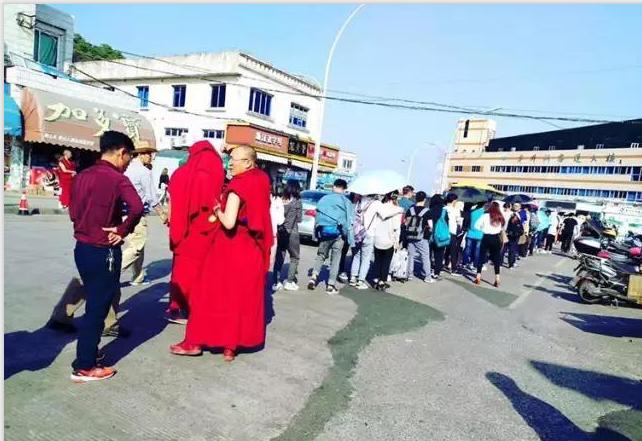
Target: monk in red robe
(194,189)
(65,177)
(227,304)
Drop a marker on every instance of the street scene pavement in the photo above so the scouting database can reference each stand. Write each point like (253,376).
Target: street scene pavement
(441,361)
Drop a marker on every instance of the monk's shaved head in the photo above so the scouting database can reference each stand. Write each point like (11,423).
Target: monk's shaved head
(245,152)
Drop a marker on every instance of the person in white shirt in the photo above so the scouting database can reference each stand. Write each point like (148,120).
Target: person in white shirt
(491,224)
(368,217)
(386,238)
(551,235)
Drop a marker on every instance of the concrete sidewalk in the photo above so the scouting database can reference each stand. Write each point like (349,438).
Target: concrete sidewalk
(443,361)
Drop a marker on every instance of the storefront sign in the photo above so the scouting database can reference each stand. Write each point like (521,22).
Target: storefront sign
(328,155)
(261,140)
(266,138)
(298,148)
(58,119)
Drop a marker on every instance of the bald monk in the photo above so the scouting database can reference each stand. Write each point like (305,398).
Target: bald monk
(227,303)
(194,189)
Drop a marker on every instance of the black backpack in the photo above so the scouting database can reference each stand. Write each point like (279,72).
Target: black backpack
(414,228)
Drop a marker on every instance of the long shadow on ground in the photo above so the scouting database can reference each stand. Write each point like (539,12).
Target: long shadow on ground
(605,325)
(377,315)
(494,296)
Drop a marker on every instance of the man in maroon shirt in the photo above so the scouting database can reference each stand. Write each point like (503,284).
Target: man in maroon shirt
(96,212)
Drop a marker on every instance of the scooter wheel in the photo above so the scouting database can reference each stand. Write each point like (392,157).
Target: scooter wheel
(584,290)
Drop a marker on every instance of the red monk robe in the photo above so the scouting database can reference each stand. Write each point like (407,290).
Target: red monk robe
(65,179)
(194,189)
(227,304)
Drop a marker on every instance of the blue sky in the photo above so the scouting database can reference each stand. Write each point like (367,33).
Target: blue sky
(536,59)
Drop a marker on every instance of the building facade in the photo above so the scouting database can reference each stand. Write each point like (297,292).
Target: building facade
(38,33)
(599,163)
(229,98)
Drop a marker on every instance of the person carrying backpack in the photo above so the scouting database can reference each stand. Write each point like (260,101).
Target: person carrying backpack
(514,231)
(440,237)
(418,236)
(332,227)
(473,237)
(365,223)
(533,227)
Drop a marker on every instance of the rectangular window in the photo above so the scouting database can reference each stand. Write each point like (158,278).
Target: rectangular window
(260,102)
(466,125)
(551,147)
(599,146)
(636,175)
(476,168)
(45,49)
(213,134)
(170,131)
(635,145)
(536,148)
(143,96)
(179,96)
(347,164)
(298,115)
(458,168)
(217,99)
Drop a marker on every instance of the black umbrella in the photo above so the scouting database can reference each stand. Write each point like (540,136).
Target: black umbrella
(518,198)
(472,195)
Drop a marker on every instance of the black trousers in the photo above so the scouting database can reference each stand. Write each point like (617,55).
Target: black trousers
(550,240)
(513,249)
(99,269)
(491,244)
(290,243)
(438,255)
(344,253)
(566,243)
(382,261)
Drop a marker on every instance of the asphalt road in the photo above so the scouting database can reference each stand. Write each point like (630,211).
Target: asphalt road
(446,361)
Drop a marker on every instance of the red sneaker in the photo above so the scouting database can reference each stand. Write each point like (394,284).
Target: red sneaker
(93,374)
(228,355)
(183,348)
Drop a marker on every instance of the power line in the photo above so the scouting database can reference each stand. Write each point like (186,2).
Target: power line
(422,107)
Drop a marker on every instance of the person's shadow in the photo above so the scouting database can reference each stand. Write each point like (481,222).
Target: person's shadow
(142,314)
(33,351)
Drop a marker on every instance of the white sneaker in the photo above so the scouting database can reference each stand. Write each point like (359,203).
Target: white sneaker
(290,286)
(361,285)
(353,282)
(429,280)
(331,290)
(343,278)
(484,268)
(277,286)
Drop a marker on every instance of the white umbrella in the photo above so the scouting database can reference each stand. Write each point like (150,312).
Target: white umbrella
(377,182)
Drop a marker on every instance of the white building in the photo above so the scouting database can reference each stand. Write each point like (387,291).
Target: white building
(347,163)
(38,33)
(192,97)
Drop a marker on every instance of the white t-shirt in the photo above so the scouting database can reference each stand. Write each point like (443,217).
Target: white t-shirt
(277,212)
(484,224)
(454,218)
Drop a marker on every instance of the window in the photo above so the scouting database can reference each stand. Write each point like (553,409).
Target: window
(260,102)
(536,148)
(466,126)
(175,132)
(599,146)
(143,96)
(45,49)
(213,134)
(476,168)
(636,175)
(347,164)
(635,145)
(298,115)
(551,147)
(218,96)
(179,96)
(458,168)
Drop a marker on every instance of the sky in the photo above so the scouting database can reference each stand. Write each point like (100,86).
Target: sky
(562,60)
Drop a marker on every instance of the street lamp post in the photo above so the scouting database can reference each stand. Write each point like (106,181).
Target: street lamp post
(412,158)
(317,145)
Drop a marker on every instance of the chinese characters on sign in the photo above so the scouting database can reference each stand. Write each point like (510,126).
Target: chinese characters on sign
(266,138)
(298,148)
(130,123)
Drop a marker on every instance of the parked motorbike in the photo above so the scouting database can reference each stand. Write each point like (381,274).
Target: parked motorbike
(598,280)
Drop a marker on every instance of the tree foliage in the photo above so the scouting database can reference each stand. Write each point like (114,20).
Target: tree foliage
(85,51)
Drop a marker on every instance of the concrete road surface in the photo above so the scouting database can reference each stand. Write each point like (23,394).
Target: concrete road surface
(442,361)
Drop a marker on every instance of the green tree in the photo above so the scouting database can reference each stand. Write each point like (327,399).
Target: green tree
(85,51)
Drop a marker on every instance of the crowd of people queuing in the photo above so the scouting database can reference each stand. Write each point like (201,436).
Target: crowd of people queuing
(223,232)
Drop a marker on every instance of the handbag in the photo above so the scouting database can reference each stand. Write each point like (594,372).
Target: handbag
(522,239)
(503,237)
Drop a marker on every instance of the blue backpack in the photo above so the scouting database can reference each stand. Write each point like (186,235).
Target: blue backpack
(441,232)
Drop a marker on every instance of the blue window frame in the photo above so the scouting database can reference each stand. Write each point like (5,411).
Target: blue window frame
(298,115)
(260,102)
(218,96)
(143,96)
(213,134)
(180,91)
(636,175)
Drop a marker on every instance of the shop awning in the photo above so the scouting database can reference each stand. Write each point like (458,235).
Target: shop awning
(12,118)
(60,119)
(271,158)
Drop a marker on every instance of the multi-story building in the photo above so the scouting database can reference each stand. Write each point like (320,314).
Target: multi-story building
(38,33)
(230,98)
(599,163)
